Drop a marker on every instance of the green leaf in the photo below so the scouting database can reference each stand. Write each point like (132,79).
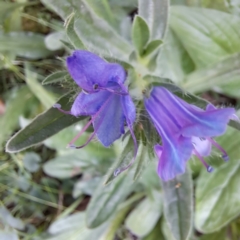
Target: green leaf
(106,199)
(72,36)
(116,220)
(86,186)
(155,12)
(145,215)
(42,127)
(173,62)
(140,34)
(53,40)
(152,47)
(31,161)
(124,159)
(215,199)
(102,10)
(7,218)
(156,233)
(8,235)
(12,20)
(205,33)
(141,161)
(221,235)
(62,8)
(55,77)
(178,205)
(217,193)
(71,222)
(98,37)
(37,89)
(19,103)
(66,166)
(224,74)
(29,45)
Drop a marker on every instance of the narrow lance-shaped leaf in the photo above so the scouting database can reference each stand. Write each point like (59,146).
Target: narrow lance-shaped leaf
(145,215)
(217,193)
(72,36)
(152,47)
(140,34)
(223,74)
(205,33)
(123,161)
(28,45)
(45,97)
(43,126)
(98,37)
(155,12)
(217,196)
(61,7)
(19,104)
(178,205)
(102,10)
(55,77)
(106,199)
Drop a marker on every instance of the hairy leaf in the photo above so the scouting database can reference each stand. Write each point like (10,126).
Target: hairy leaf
(178,205)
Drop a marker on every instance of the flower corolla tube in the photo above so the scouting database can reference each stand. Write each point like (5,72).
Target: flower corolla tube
(104,97)
(185,129)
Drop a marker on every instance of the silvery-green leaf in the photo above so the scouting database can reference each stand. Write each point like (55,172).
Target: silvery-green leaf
(178,205)
(145,215)
(98,37)
(65,166)
(155,12)
(44,96)
(217,193)
(31,161)
(61,7)
(53,40)
(7,218)
(15,107)
(85,186)
(140,34)
(205,33)
(220,235)
(42,127)
(55,77)
(106,199)
(8,235)
(71,34)
(29,45)
(223,75)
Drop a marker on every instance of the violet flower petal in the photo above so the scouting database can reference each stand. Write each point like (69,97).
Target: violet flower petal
(109,125)
(176,148)
(195,122)
(88,104)
(202,145)
(129,107)
(89,70)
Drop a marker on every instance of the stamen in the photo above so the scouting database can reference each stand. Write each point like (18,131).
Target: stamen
(58,106)
(117,172)
(86,127)
(225,155)
(85,144)
(208,167)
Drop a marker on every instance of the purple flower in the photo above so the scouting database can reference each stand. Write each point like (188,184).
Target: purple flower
(185,130)
(103,97)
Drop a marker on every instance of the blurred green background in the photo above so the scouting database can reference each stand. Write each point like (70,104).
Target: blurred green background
(50,192)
